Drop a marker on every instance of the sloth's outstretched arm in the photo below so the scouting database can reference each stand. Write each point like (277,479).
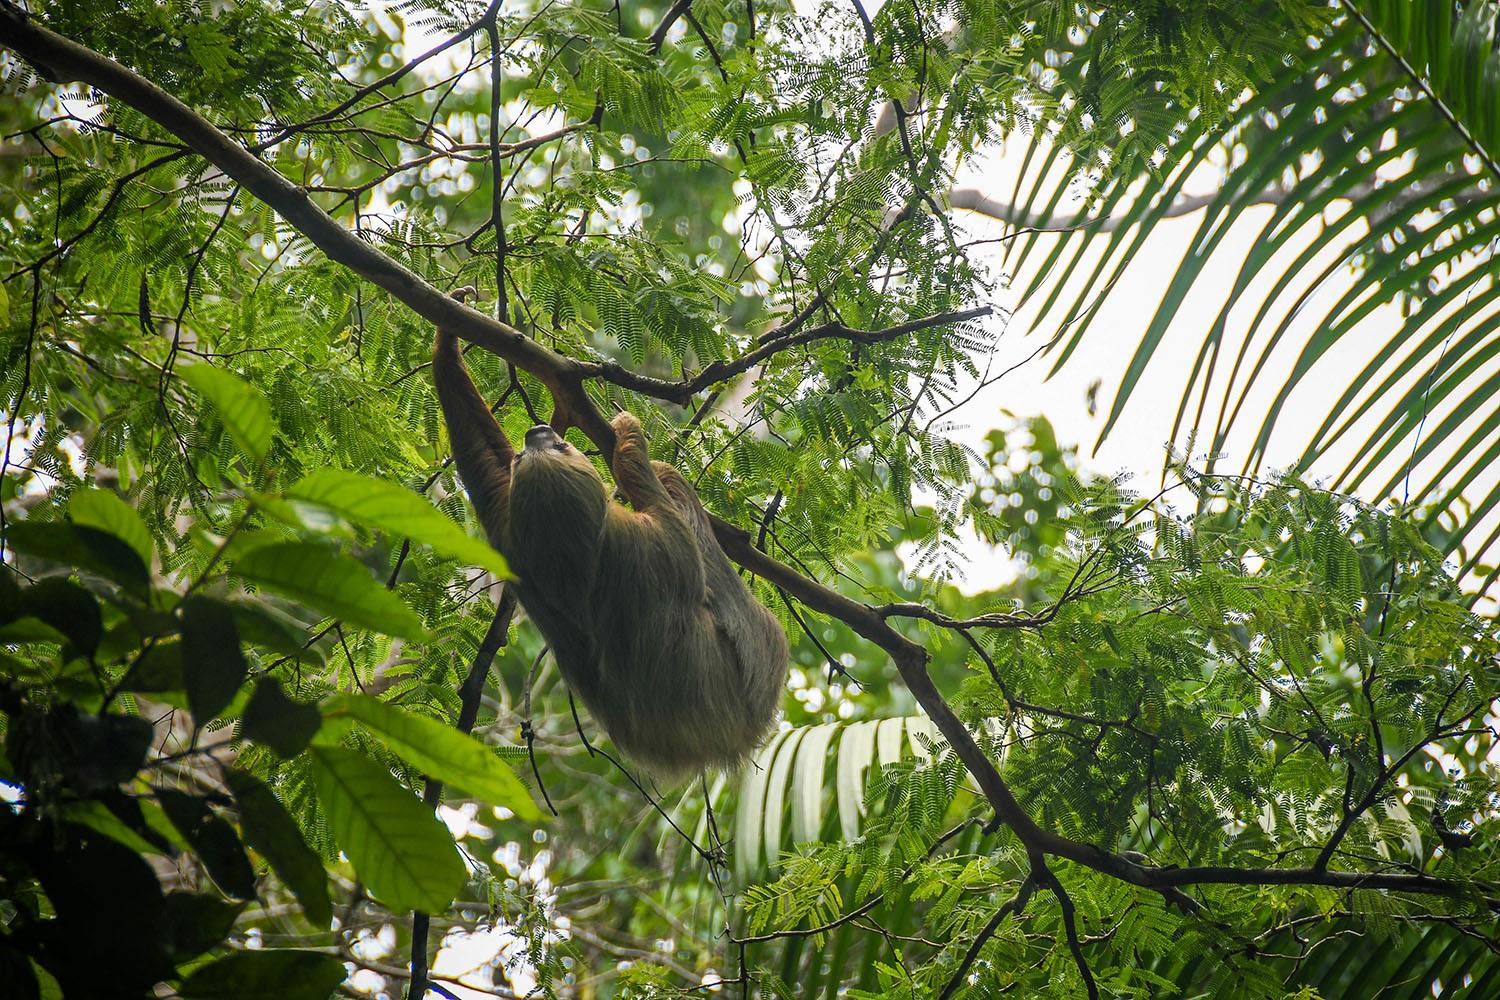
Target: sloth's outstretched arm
(632,468)
(480,448)
(662,545)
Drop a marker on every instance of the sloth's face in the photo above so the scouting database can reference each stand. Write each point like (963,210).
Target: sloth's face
(542,439)
(544,446)
(549,463)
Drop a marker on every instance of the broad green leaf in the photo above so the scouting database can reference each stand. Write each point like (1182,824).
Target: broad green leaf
(331,583)
(30,630)
(381,504)
(93,752)
(439,751)
(212,839)
(15,968)
(156,669)
(281,723)
(399,847)
(109,924)
(198,922)
(212,665)
(106,511)
(96,816)
(66,607)
(265,626)
(106,750)
(270,830)
(281,974)
(245,410)
(81,547)
(143,817)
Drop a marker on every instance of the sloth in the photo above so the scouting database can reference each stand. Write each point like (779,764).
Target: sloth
(648,621)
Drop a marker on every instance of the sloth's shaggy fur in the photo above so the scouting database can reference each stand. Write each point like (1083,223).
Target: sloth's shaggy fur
(648,620)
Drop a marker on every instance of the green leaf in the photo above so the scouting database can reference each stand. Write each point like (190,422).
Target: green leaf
(66,607)
(440,752)
(212,839)
(98,817)
(245,410)
(332,583)
(381,504)
(265,626)
(213,666)
(108,933)
(266,975)
(106,750)
(106,511)
(281,723)
(15,967)
(270,829)
(400,849)
(81,547)
(198,922)
(158,669)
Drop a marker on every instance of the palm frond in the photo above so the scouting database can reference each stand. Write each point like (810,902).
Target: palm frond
(1363,179)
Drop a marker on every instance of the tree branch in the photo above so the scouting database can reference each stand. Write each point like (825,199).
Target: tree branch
(720,371)
(1070,924)
(659,36)
(1013,906)
(975,200)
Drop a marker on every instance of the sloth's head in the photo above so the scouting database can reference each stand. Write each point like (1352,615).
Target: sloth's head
(554,481)
(543,438)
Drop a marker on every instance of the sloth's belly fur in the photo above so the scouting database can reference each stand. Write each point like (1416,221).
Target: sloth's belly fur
(677,687)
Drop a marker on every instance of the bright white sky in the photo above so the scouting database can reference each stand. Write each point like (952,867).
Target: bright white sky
(1136,444)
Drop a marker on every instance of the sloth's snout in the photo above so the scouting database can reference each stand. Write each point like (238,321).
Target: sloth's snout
(540,437)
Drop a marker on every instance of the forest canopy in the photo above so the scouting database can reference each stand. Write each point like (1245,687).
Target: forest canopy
(275,724)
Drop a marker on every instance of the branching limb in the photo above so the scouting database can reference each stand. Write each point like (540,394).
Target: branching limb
(659,36)
(487,18)
(1013,907)
(1070,924)
(722,371)
(1352,810)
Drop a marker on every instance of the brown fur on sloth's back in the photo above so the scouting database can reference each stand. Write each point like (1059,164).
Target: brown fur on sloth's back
(648,620)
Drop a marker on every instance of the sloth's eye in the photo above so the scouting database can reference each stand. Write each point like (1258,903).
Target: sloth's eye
(561,446)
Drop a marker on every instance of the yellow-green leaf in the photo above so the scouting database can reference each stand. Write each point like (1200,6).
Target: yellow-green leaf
(106,511)
(331,583)
(245,410)
(439,751)
(381,504)
(399,847)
